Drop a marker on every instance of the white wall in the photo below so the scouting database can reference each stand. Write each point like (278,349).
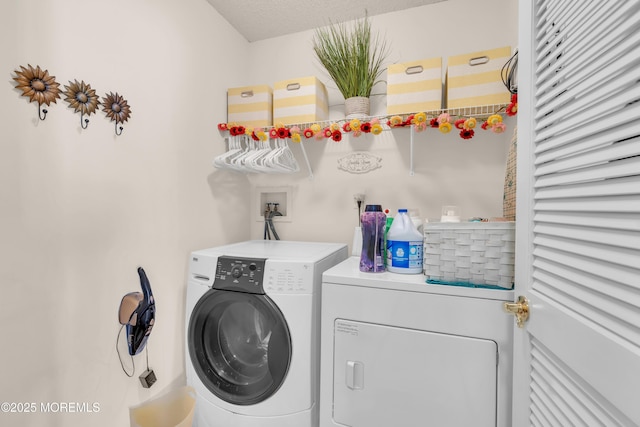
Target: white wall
(448,170)
(82,209)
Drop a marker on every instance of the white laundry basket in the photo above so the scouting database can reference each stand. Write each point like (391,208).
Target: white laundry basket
(172,409)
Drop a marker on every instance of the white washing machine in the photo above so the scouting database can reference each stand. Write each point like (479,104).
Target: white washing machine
(396,351)
(252,332)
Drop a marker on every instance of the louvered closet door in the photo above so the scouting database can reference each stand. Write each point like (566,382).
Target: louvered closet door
(577,360)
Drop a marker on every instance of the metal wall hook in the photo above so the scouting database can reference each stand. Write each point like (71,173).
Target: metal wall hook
(44,110)
(83,123)
(121,128)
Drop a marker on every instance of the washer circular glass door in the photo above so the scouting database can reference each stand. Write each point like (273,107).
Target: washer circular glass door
(240,345)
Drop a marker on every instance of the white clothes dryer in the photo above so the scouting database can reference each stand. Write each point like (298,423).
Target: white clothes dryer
(252,332)
(396,351)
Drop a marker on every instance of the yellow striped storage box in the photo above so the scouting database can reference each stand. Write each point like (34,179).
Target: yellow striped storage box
(474,78)
(414,86)
(250,105)
(301,100)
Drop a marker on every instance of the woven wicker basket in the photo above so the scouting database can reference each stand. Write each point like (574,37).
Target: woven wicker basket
(509,201)
(475,254)
(356,107)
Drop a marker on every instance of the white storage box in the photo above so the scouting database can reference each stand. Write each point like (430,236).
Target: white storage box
(250,106)
(474,254)
(474,79)
(301,100)
(414,86)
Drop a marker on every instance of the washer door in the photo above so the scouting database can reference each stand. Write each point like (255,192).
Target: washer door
(240,345)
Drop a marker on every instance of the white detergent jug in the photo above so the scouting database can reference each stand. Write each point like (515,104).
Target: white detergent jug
(404,245)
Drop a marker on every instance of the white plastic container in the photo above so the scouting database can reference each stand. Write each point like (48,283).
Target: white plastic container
(404,245)
(450,214)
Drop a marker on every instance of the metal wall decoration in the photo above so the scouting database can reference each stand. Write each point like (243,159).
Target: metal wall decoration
(39,86)
(42,88)
(116,108)
(82,99)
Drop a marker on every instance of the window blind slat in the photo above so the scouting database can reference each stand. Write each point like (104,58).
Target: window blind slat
(620,168)
(594,286)
(560,147)
(586,32)
(562,17)
(616,44)
(607,153)
(609,204)
(588,43)
(617,221)
(584,131)
(603,188)
(624,257)
(548,371)
(605,92)
(580,91)
(613,317)
(546,10)
(615,238)
(616,277)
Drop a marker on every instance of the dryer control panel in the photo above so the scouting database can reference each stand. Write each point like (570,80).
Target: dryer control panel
(240,274)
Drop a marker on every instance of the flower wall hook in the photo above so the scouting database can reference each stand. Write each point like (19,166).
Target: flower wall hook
(39,86)
(117,109)
(82,99)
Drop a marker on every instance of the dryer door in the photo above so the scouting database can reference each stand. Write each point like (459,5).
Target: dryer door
(390,376)
(240,345)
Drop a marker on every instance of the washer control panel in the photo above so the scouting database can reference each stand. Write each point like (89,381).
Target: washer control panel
(289,278)
(240,274)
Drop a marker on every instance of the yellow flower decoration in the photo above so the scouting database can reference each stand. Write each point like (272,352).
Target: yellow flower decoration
(295,137)
(395,121)
(419,118)
(470,123)
(376,128)
(445,127)
(494,119)
(354,124)
(334,127)
(248,131)
(262,136)
(315,128)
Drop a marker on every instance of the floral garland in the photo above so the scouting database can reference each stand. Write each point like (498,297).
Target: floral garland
(419,121)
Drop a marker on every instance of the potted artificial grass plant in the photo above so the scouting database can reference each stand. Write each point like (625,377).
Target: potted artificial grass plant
(354,58)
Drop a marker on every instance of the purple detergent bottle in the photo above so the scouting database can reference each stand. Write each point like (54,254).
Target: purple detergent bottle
(372,255)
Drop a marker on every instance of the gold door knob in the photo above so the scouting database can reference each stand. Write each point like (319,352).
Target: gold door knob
(520,309)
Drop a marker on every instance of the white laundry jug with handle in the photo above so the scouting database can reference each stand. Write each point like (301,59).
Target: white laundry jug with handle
(404,245)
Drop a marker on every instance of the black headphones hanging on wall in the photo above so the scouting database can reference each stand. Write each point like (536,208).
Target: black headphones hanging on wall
(137,311)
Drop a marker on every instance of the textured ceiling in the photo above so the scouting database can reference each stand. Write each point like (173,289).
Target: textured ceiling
(264,19)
